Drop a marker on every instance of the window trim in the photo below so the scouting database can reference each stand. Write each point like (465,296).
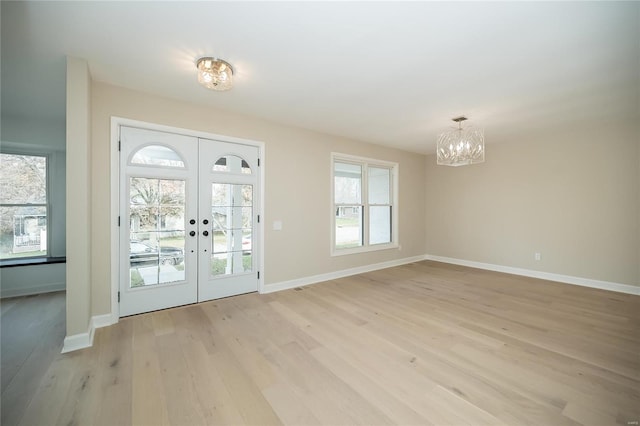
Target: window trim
(365,162)
(32,152)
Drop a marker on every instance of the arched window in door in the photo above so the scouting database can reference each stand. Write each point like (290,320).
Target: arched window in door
(232,164)
(157,155)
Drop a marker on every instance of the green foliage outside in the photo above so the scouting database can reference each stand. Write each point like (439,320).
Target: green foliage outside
(218,266)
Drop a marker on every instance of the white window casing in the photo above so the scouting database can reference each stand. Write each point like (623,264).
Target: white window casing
(364,204)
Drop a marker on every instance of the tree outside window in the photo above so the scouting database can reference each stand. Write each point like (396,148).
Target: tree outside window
(23,205)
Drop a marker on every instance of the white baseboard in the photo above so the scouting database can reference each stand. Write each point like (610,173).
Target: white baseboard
(30,290)
(85,340)
(100,321)
(567,279)
(79,341)
(299,282)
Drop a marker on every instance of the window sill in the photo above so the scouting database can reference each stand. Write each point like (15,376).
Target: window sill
(366,249)
(28,261)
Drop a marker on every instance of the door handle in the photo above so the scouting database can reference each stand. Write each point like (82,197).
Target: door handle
(192,233)
(205,221)
(205,233)
(192,221)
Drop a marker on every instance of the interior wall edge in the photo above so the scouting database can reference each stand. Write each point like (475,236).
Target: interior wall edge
(85,340)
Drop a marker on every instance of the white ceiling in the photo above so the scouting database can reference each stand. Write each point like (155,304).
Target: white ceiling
(391,73)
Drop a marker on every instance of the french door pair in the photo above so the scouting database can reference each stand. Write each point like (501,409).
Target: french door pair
(188,223)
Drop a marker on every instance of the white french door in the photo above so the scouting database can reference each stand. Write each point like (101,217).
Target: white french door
(188,219)
(228,200)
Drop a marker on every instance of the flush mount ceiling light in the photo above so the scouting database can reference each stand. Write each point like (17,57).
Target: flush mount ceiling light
(215,74)
(460,147)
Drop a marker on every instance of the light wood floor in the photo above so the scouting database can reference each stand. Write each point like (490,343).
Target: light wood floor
(32,330)
(425,343)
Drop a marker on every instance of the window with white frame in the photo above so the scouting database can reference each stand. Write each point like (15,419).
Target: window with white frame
(23,205)
(364,204)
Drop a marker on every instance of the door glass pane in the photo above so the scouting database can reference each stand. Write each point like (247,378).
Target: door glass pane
(379,224)
(157,237)
(157,155)
(231,164)
(348,226)
(231,228)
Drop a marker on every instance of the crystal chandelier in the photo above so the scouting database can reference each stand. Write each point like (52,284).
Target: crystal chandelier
(215,74)
(460,147)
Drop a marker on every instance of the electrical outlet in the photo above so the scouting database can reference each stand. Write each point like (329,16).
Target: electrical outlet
(537,256)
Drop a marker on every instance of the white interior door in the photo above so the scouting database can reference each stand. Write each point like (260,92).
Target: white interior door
(188,220)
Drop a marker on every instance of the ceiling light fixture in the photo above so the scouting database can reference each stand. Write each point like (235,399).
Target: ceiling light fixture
(460,147)
(215,74)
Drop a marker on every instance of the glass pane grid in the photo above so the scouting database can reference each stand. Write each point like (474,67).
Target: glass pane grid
(367,186)
(157,231)
(232,214)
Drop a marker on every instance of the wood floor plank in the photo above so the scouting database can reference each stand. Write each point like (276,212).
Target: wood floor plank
(31,340)
(23,328)
(148,406)
(115,356)
(50,397)
(250,402)
(178,384)
(288,405)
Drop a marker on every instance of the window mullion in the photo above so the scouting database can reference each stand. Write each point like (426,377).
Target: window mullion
(365,205)
(47,195)
(25,205)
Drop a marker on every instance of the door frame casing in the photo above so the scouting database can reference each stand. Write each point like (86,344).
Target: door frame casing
(114,228)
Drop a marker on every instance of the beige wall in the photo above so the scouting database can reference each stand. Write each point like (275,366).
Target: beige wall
(297,186)
(78,196)
(572,195)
